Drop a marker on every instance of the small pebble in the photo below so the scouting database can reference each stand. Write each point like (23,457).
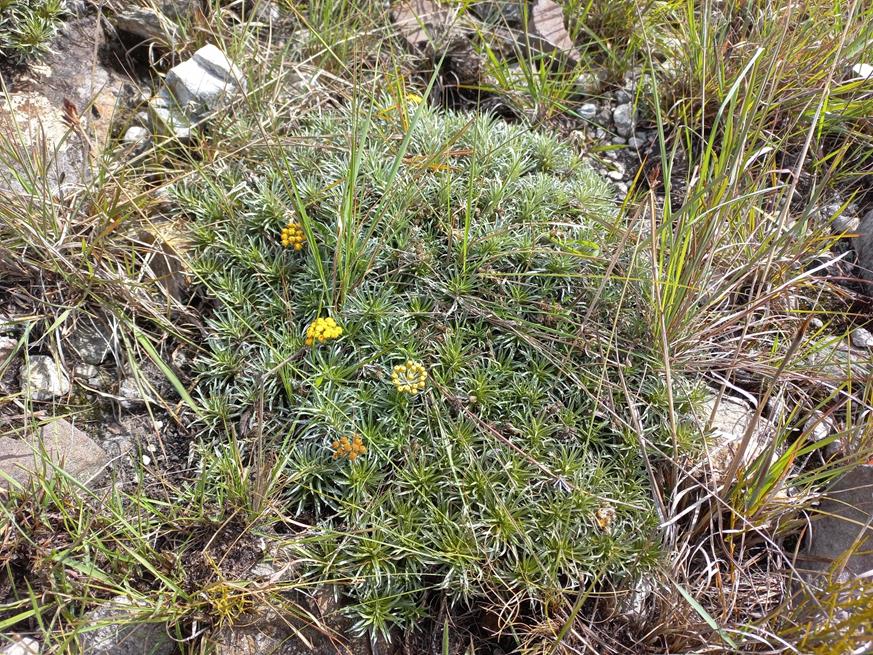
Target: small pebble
(635,142)
(615,175)
(146,460)
(587,111)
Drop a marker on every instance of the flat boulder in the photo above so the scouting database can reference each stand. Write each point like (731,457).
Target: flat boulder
(62,444)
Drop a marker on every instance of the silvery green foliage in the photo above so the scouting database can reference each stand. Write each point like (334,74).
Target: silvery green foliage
(476,251)
(26,26)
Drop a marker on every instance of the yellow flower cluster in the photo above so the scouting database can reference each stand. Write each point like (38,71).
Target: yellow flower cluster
(292,236)
(321,330)
(409,377)
(351,448)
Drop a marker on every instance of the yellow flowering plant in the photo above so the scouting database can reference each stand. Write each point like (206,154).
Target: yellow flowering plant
(293,236)
(347,448)
(322,330)
(409,377)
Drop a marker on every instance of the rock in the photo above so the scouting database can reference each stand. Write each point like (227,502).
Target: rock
(42,378)
(636,142)
(832,358)
(623,118)
(862,71)
(266,631)
(546,26)
(725,431)
(92,343)
(843,518)
(862,338)
(62,109)
(136,136)
(165,262)
(64,445)
(864,249)
(845,224)
(615,175)
(122,628)
(21,646)
(147,25)
(86,371)
(587,111)
(216,63)
(589,84)
(194,89)
(130,394)
(167,119)
(622,97)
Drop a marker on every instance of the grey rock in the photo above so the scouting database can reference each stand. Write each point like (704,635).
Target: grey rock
(831,358)
(42,378)
(266,631)
(600,134)
(92,343)
(725,429)
(86,371)
(615,175)
(623,118)
(587,111)
(863,244)
(33,107)
(148,25)
(862,338)
(8,345)
(167,119)
(618,141)
(122,628)
(130,394)
(21,646)
(636,143)
(845,224)
(195,88)
(843,518)
(589,84)
(621,97)
(63,445)
(604,117)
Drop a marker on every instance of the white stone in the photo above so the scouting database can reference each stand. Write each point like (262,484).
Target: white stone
(23,646)
(135,134)
(862,338)
(623,118)
(217,63)
(42,378)
(193,87)
(864,71)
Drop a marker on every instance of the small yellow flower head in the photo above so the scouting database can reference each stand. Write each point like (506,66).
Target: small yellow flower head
(293,237)
(348,448)
(410,377)
(321,330)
